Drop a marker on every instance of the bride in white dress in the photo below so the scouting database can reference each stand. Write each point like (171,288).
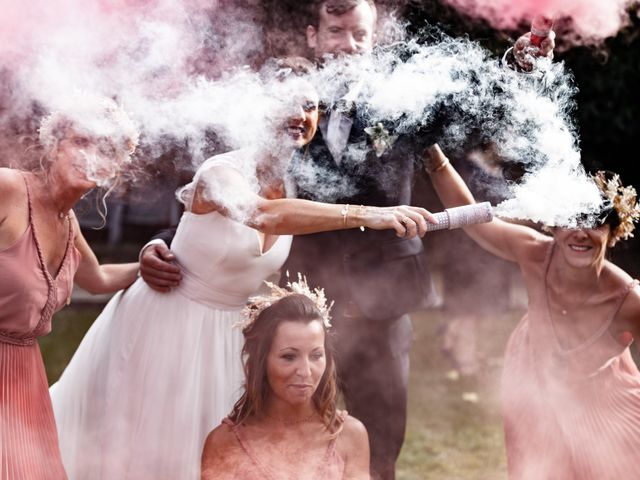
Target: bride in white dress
(157,371)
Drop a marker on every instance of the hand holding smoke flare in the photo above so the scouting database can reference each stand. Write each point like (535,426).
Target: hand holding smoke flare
(533,48)
(584,22)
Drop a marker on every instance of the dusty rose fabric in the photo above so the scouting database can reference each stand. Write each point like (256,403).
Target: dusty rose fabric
(29,296)
(331,468)
(569,414)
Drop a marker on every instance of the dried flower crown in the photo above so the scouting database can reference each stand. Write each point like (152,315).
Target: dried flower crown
(94,115)
(257,304)
(623,200)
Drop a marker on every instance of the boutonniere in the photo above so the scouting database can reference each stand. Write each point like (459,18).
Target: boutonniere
(380,138)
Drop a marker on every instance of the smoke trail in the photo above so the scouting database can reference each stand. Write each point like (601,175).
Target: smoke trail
(587,22)
(451,91)
(148,55)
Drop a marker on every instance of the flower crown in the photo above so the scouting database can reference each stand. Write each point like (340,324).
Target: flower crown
(623,200)
(257,304)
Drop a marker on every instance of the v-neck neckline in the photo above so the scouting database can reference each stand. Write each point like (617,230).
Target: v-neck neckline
(52,277)
(591,339)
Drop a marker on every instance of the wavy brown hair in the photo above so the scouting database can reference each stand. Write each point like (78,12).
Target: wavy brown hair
(257,345)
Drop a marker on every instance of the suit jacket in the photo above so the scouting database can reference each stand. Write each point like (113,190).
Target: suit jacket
(384,275)
(165,235)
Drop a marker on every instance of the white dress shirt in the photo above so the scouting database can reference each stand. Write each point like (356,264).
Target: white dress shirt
(337,127)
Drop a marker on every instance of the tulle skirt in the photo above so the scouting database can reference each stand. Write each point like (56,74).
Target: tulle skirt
(154,375)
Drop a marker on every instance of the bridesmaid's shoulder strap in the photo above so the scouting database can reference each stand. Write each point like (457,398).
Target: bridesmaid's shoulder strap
(624,293)
(26,183)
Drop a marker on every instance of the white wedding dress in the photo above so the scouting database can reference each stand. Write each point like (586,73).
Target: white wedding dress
(156,372)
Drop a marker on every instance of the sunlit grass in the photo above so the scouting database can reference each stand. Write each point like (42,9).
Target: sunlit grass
(448,437)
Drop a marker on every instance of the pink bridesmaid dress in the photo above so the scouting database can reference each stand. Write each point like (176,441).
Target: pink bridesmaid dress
(29,295)
(569,413)
(331,465)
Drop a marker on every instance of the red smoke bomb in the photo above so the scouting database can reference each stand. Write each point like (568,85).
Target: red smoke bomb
(540,28)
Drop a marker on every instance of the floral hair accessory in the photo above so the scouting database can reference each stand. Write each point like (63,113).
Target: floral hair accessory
(257,304)
(623,200)
(94,115)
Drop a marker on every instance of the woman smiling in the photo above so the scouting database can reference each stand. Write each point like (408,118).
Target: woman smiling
(286,425)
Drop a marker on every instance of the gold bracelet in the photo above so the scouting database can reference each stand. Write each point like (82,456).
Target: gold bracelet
(361,210)
(443,164)
(345,213)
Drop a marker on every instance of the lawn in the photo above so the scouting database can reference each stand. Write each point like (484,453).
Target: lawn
(454,429)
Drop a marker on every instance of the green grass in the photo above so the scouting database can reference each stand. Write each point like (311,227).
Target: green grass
(448,438)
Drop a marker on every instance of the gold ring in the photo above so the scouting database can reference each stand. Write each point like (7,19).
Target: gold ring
(404,219)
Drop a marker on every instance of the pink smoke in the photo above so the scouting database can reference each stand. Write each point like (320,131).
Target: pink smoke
(589,21)
(27,27)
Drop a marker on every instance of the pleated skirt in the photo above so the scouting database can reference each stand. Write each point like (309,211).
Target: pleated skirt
(28,438)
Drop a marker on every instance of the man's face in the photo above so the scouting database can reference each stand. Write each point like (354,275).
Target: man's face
(349,33)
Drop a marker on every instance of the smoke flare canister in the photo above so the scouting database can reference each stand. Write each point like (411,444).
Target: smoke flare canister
(458,217)
(540,28)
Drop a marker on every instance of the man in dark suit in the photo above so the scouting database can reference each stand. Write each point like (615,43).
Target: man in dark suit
(375,278)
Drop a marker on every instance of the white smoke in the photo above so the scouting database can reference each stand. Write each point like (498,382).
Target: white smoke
(452,91)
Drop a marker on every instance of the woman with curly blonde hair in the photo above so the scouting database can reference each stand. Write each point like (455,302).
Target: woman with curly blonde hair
(42,252)
(570,388)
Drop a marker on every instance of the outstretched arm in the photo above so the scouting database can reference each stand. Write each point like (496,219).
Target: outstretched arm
(506,240)
(225,190)
(97,278)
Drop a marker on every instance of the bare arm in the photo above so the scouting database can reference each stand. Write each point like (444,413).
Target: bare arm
(224,190)
(506,240)
(354,444)
(13,207)
(7,192)
(96,278)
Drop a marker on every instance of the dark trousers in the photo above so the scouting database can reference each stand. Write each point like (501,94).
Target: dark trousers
(373,367)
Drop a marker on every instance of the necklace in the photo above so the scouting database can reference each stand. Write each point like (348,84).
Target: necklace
(295,421)
(564,310)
